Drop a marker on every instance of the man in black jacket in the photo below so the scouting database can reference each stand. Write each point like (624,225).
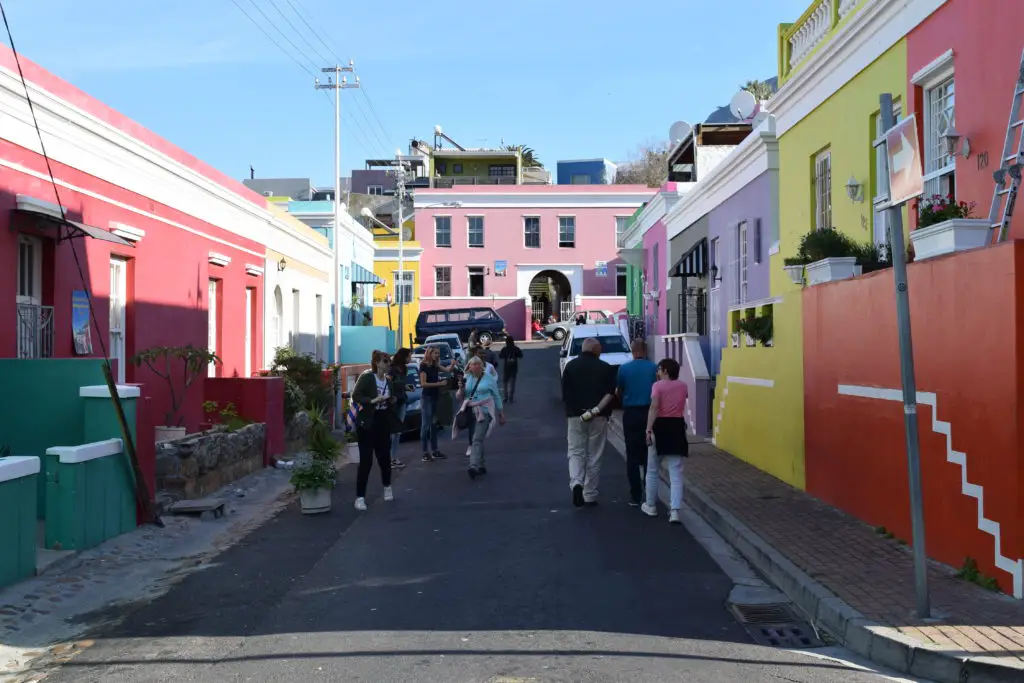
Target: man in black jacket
(588,388)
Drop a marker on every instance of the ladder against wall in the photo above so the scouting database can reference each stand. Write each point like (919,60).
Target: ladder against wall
(1007,177)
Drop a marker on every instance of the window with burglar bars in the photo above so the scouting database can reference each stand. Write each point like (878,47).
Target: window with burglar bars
(442,231)
(442,281)
(403,286)
(823,190)
(531,232)
(567,231)
(693,304)
(476,231)
(939,165)
(742,245)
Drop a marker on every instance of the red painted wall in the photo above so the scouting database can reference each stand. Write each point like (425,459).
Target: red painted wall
(260,399)
(168,275)
(986,39)
(965,314)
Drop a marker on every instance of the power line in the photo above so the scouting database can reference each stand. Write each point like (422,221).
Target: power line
(316,52)
(272,40)
(313,29)
(283,35)
(373,111)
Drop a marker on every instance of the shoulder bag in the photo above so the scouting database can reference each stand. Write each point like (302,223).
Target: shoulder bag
(462,419)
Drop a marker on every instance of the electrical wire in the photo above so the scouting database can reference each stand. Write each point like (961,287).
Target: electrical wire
(316,52)
(305,67)
(313,29)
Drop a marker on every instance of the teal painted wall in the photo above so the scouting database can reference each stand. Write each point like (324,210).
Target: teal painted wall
(18,529)
(359,343)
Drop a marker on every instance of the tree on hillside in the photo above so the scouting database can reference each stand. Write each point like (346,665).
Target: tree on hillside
(528,155)
(648,166)
(759,89)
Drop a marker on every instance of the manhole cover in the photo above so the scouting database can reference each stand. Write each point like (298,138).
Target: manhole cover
(776,626)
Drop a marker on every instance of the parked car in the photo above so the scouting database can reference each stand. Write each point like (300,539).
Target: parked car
(560,329)
(458,348)
(489,325)
(413,412)
(614,347)
(447,356)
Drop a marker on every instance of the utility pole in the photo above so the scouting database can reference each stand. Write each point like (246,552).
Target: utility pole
(337,83)
(400,194)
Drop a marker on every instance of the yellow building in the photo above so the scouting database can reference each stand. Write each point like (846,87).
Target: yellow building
(832,69)
(386,267)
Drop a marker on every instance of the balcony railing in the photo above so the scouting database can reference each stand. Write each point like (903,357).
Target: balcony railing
(798,40)
(452,181)
(35,331)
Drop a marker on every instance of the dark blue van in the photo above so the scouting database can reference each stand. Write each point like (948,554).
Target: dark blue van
(489,325)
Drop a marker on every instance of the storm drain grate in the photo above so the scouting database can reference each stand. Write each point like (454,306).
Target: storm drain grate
(776,626)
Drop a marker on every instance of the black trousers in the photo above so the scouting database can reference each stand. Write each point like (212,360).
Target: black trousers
(634,428)
(374,442)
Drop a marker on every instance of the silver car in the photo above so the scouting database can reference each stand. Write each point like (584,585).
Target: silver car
(560,329)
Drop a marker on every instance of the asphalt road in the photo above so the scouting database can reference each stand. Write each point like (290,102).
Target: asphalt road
(499,580)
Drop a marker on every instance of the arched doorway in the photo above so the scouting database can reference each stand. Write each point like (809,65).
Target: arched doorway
(551,294)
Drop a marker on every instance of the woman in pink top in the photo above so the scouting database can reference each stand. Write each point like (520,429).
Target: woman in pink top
(666,438)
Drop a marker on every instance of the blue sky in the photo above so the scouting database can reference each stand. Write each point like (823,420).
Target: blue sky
(572,79)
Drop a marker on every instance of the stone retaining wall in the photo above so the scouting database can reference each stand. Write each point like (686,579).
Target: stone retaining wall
(199,464)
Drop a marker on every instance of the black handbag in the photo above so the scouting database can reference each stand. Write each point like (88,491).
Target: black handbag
(462,419)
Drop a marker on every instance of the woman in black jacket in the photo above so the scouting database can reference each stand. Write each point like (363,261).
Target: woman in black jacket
(374,394)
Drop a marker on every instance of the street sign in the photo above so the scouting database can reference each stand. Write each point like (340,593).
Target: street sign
(904,157)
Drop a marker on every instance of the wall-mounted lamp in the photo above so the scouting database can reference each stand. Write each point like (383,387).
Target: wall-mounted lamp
(714,274)
(854,190)
(281,265)
(952,138)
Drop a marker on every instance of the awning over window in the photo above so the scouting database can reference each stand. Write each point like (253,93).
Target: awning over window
(633,257)
(694,263)
(361,276)
(66,228)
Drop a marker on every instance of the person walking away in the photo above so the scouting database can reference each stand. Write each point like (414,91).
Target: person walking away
(490,356)
(374,394)
(511,354)
(481,397)
(474,339)
(588,388)
(430,383)
(666,434)
(404,395)
(634,383)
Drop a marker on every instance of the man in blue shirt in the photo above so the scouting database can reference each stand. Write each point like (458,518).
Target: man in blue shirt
(636,379)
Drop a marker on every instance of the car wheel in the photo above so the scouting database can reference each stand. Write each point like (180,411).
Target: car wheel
(485,338)
(558,334)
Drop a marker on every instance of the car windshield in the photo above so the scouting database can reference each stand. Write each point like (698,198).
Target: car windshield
(446,351)
(609,344)
(450,340)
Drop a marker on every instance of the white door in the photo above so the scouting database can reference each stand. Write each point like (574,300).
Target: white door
(29,297)
(211,325)
(118,303)
(277,324)
(248,331)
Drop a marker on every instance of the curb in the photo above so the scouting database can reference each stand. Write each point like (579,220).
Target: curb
(881,644)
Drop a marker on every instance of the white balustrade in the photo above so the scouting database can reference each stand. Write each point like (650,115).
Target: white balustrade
(811,32)
(846,6)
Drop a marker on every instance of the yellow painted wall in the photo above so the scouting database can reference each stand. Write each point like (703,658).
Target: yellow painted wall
(765,425)
(385,271)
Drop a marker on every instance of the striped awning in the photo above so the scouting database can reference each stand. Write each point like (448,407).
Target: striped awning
(694,263)
(362,276)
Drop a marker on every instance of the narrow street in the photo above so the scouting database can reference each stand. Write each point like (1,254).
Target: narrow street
(495,580)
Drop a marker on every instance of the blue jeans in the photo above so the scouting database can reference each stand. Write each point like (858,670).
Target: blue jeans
(428,432)
(397,436)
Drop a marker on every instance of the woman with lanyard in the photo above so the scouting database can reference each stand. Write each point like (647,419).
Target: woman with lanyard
(375,396)
(483,404)
(431,383)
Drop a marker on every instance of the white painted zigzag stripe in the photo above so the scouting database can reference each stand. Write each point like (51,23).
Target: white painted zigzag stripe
(750,381)
(1013,567)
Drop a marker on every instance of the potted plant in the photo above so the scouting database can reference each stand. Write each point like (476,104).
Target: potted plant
(758,329)
(827,255)
(313,478)
(945,226)
(180,367)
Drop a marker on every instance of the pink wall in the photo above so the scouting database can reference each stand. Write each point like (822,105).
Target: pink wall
(656,240)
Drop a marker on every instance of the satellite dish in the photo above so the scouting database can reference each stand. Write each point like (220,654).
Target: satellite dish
(743,105)
(679,131)
(437,130)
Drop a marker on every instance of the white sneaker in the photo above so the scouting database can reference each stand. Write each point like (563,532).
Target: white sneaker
(361,504)
(673,517)
(388,493)
(469,451)
(649,510)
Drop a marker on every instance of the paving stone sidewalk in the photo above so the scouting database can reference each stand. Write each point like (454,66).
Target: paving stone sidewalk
(978,635)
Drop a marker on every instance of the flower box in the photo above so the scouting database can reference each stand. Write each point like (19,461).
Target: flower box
(947,237)
(831,269)
(796,273)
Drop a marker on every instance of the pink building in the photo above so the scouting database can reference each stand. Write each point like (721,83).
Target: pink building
(545,249)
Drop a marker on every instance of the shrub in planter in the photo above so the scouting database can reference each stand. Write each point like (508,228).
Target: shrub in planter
(759,328)
(304,382)
(180,367)
(226,415)
(818,245)
(314,478)
(939,209)
(322,444)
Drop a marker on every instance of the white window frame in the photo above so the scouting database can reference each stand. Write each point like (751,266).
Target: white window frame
(469,281)
(880,197)
(296,321)
(564,227)
(933,173)
(436,243)
(375,190)
(212,289)
(34,246)
(525,220)
(318,336)
(250,296)
(742,261)
(118,314)
(437,281)
(407,285)
(621,224)
(469,234)
(823,190)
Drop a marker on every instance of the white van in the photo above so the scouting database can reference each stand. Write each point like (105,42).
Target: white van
(614,347)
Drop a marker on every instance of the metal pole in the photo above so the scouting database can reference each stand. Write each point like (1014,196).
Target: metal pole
(401,254)
(894,219)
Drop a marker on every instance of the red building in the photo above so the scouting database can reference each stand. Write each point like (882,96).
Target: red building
(962,65)
(171,250)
